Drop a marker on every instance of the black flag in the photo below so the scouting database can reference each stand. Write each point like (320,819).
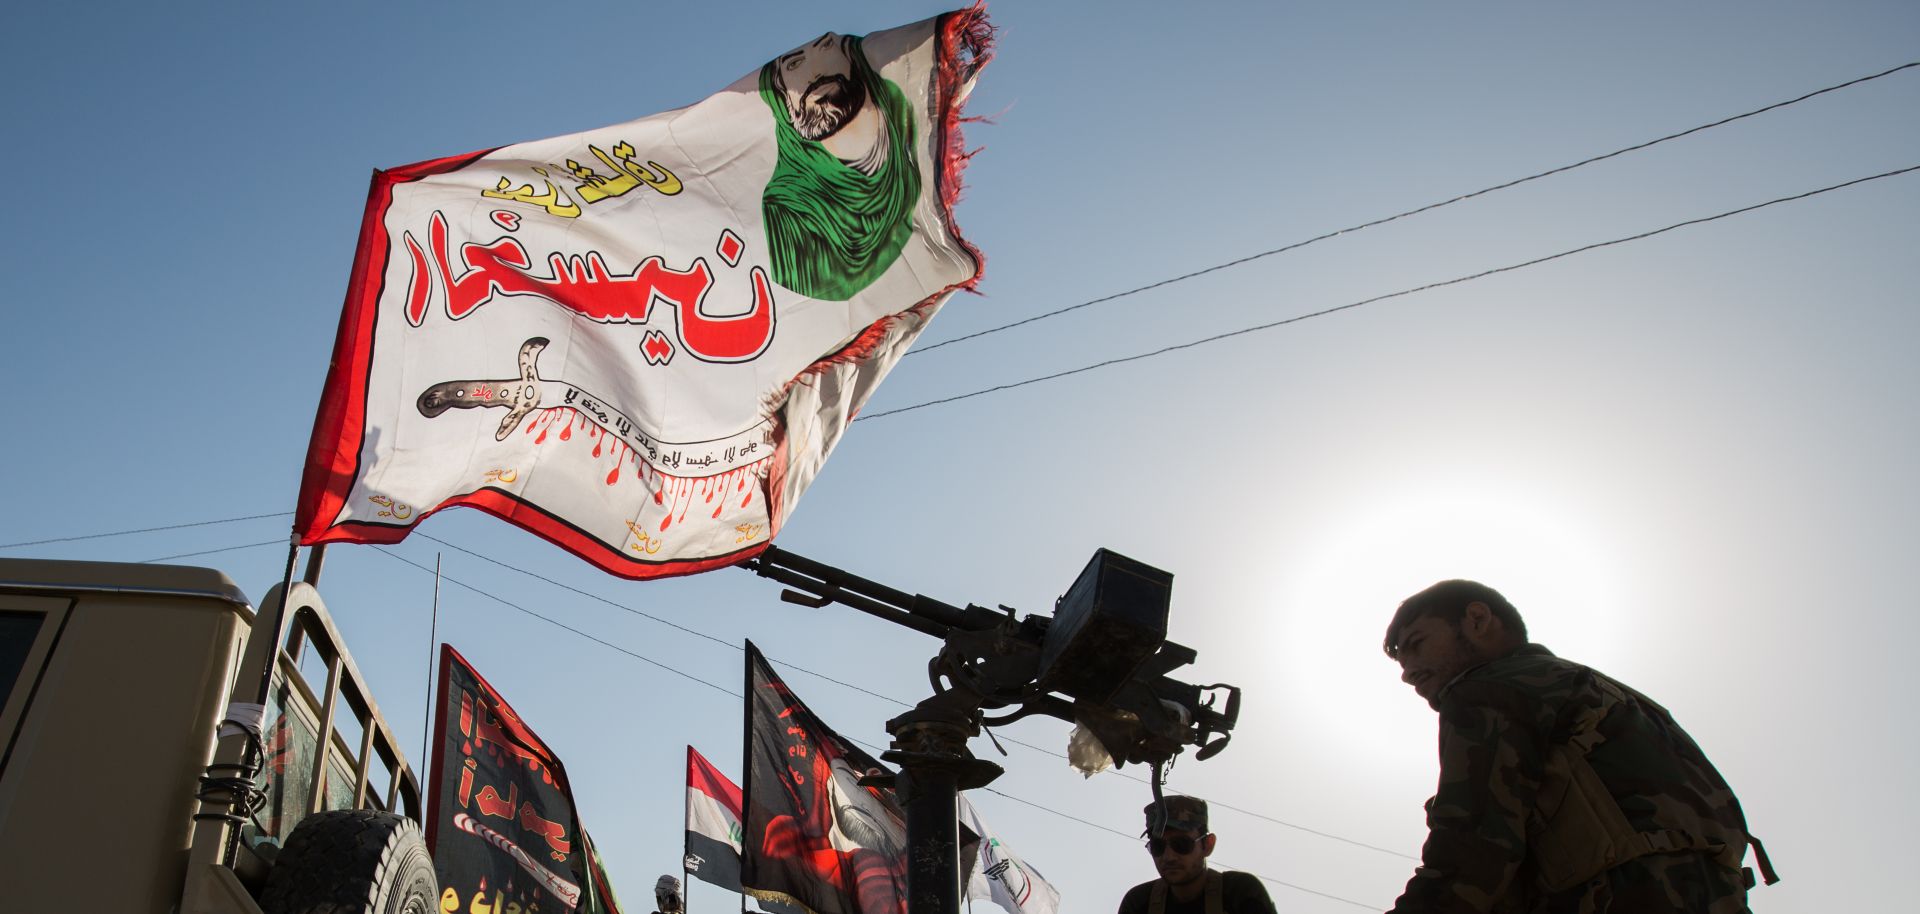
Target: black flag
(811,834)
(501,823)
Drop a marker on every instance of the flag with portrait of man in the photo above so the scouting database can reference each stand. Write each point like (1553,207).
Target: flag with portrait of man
(641,342)
(811,834)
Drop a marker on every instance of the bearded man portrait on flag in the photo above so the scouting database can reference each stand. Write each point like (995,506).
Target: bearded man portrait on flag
(812,834)
(641,342)
(838,205)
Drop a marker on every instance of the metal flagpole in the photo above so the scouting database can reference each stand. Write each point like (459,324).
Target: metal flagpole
(686,815)
(433,636)
(254,756)
(746,761)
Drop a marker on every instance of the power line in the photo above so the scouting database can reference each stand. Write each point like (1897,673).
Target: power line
(1412,212)
(691,631)
(95,536)
(721,641)
(1328,835)
(887,698)
(1301,888)
(1114,831)
(644,615)
(1106,363)
(722,689)
(1379,298)
(183,555)
(731,693)
(552,621)
(848,685)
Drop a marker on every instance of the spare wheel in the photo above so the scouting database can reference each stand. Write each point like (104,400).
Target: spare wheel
(353,861)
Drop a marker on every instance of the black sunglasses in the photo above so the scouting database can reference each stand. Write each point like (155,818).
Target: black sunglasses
(1181,844)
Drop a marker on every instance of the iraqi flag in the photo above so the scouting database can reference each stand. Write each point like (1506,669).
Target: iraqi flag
(713,824)
(713,829)
(641,342)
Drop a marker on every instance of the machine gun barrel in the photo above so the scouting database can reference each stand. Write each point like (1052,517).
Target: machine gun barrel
(823,584)
(1101,661)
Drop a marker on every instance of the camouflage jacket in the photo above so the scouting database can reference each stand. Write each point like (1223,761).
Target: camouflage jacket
(1525,742)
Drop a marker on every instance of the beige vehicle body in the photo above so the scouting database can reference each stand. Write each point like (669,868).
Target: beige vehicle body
(115,682)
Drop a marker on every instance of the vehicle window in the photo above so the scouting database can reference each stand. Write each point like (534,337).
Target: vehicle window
(288,779)
(17,631)
(349,721)
(341,780)
(312,666)
(379,780)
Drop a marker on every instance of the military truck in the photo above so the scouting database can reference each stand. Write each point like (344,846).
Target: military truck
(139,772)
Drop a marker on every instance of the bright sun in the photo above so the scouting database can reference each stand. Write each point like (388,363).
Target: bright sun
(1537,549)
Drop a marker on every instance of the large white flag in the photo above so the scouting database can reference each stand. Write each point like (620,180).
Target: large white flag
(641,342)
(1000,876)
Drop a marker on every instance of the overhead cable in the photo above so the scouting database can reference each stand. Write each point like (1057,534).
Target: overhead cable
(1412,212)
(700,634)
(184,555)
(1379,298)
(95,536)
(552,621)
(644,615)
(1056,375)
(869,692)
(1263,877)
(730,692)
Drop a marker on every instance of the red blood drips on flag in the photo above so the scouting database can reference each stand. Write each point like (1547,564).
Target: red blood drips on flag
(674,493)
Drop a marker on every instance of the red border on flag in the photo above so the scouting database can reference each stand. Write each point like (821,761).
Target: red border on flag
(339,426)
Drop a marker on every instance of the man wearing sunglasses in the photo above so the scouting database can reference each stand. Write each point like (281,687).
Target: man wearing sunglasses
(1560,788)
(1178,839)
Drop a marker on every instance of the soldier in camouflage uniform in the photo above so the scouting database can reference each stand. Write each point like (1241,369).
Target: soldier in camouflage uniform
(1561,790)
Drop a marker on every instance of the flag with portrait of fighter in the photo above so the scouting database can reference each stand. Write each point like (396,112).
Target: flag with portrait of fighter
(641,342)
(811,835)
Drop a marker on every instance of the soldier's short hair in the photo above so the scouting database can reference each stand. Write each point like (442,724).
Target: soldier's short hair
(1448,601)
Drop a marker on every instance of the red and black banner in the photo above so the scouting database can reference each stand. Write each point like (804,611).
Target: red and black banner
(501,822)
(811,835)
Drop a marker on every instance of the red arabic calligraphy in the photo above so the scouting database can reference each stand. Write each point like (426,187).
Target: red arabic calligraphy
(554,833)
(483,733)
(586,284)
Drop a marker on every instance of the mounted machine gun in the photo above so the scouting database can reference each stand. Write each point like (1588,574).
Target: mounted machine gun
(1100,661)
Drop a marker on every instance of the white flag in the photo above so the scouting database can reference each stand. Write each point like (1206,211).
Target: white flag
(641,342)
(1000,876)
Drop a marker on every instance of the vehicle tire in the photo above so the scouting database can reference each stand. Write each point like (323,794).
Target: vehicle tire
(353,861)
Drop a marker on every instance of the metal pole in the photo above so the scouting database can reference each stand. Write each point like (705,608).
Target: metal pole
(316,557)
(930,748)
(933,840)
(686,815)
(274,623)
(433,636)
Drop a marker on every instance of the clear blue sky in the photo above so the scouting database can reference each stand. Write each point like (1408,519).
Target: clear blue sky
(1689,459)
